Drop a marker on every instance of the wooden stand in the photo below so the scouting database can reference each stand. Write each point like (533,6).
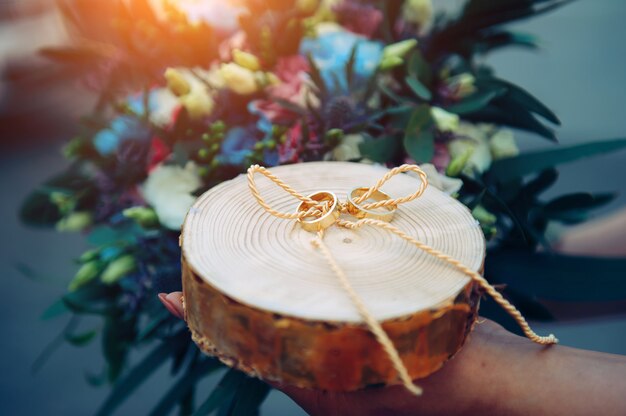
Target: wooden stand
(260,297)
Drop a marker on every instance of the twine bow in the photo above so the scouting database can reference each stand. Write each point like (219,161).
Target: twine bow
(317,209)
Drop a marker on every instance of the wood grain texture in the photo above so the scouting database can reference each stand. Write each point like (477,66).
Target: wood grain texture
(260,296)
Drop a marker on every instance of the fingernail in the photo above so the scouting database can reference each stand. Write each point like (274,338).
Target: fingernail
(168,305)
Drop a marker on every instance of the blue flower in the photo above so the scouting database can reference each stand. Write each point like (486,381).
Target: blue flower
(123,128)
(331,52)
(237,146)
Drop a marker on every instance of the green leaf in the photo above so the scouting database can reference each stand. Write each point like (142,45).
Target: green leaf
(91,299)
(419,141)
(250,395)
(507,169)
(573,208)
(117,335)
(104,235)
(418,88)
(289,106)
(316,76)
(419,68)
(476,101)
(138,374)
(81,339)
(542,182)
(558,277)
(390,93)
(56,309)
(380,150)
(522,97)
(487,42)
(349,69)
(223,393)
(195,371)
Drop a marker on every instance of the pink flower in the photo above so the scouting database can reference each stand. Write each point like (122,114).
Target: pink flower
(290,150)
(291,71)
(226,48)
(358,18)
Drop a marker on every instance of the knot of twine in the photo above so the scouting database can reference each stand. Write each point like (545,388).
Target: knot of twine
(317,209)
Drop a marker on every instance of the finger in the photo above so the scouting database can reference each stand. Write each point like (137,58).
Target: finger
(173,303)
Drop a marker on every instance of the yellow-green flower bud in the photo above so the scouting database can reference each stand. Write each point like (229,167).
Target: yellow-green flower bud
(144,216)
(218,127)
(457,164)
(118,268)
(198,103)
(176,82)
(84,275)
(393,55)
(307,6)
(444,120)
(75,221)
(483,216)
(203,153)
(239,79)
(246,60)
(89,255)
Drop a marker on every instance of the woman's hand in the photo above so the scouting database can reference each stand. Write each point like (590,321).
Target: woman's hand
(495,373)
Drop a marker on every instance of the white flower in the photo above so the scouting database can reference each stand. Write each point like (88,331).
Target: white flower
(165,105)
(445,120)
(168,190)
(502,144)
(440,181)
(239,79)
(420,13)
(472,140)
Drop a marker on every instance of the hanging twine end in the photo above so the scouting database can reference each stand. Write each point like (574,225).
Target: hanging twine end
(415,390)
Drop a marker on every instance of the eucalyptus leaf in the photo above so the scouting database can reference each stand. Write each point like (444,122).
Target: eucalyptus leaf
(419,141)
(380,149)
(504,170)
(418,88)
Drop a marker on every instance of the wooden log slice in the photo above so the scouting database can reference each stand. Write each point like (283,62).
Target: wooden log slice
(260,297)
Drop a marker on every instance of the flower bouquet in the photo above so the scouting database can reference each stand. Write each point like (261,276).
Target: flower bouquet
(191,93)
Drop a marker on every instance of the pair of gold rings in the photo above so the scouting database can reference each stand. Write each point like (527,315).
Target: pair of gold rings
(328,218)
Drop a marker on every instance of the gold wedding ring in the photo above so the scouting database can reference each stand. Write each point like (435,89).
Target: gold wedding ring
(384,213)
(327,218)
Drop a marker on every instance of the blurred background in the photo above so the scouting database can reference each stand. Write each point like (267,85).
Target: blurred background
(580,73)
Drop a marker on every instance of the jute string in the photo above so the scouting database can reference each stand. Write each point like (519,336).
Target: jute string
(317,209)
